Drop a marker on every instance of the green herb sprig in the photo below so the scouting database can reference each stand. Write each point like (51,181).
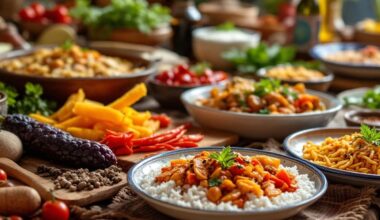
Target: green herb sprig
(225,158)
(266,86)
(214,182)
(371,135)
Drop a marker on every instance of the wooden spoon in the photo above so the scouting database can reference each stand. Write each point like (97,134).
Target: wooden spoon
(25,176)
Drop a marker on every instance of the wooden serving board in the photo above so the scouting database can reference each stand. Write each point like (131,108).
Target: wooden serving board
(25,171)
(211,138)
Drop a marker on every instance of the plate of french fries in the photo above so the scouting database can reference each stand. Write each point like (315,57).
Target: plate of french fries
(347,155)
(90,120)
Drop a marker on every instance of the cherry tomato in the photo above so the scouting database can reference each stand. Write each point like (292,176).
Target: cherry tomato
(14,217)
(236,169)
(55,210)
(3,175)
(65,20)
(27,14)
(38,9)
(58,13)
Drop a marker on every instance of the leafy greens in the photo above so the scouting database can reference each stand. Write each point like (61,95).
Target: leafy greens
(134,14)
(371,99)
(30,102)
(252,59)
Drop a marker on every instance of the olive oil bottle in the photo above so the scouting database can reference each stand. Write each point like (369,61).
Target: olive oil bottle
(307,25)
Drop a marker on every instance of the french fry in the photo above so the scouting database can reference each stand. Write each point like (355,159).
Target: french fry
(93,102)
(65,112)
(97,112)
(42,118)
(86,133)
(130,97)
(76,121)
(143,131)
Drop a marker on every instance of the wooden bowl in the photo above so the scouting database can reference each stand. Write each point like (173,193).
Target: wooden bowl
(103,89)
(156,37)
(367,37)
(240,15)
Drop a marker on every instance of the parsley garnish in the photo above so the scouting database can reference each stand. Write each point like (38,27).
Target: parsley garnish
(227,26)
(371,135)
(214,182)
(289,93)
(225,158)
(67,45)
(266,86)
(264,111)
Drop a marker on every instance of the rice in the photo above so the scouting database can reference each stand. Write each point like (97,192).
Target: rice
(195,196)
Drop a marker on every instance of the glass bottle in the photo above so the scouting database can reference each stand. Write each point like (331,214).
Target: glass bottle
(307,25)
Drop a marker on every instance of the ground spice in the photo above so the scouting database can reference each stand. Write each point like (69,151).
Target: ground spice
(81,179)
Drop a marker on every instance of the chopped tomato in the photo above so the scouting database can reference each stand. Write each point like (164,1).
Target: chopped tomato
(27,14)
(191,178)
(283,175)
(279,183)
(236,169)
(255,162)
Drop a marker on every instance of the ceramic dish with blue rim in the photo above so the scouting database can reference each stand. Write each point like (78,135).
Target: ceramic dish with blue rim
(357,70)
(192,202)
(295,143)
(254,125)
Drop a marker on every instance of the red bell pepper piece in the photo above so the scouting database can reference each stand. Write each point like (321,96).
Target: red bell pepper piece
(283,175)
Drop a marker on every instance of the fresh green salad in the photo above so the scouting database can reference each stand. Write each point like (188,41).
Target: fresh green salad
(252,59)
(134,14)
(29,102)
(371,99)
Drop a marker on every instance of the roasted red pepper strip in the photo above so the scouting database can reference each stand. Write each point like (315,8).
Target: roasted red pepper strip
(192,137)
(164,120)
(185,144)
(154,139)
(153,148)
(117,139)
(123,151)
(176,138)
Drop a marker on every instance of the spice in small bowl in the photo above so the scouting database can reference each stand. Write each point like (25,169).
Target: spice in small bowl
(358,117)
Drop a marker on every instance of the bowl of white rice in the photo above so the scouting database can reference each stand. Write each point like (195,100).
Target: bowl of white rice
(209,44)
(192,203)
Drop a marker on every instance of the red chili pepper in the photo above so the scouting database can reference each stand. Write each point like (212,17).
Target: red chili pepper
(176,138)
(154,139)
(185,144)
(164,120)
(192,137)
(117,139)
(153,148)
(123,151)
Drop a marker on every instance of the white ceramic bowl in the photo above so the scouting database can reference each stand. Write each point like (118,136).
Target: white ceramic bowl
(209,48)
(180,212)
(258,126)
(345,69)
(294,146)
